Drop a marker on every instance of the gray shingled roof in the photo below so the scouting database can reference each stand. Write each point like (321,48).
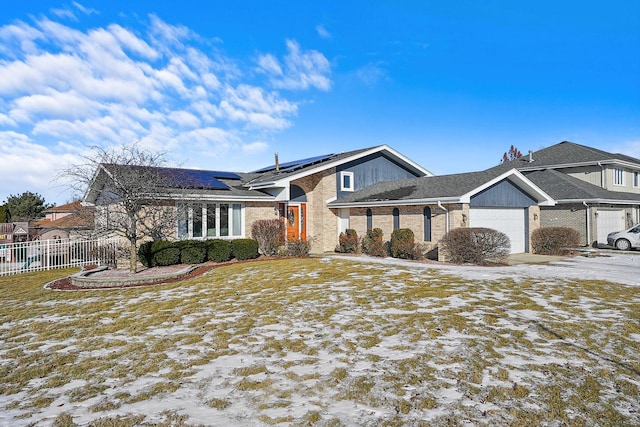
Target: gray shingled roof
(432,187)
(566,153)
(564,187)
(270,176)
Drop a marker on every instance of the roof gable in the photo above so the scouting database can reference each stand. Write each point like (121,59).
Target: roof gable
(456,188)
(270,177)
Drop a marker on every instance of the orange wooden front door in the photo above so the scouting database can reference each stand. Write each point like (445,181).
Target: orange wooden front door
(293,223)
(296,221)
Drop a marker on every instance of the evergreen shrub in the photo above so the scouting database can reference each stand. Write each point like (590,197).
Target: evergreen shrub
(348,242)
(219,250)
(145,256)
(403,244)
(193,251)
(165,253)
(244,249)
(372,244)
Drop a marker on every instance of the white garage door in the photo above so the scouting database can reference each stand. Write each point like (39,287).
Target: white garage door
(510,221)
(609,221)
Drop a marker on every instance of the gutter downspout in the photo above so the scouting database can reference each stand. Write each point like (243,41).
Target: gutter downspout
(588,221)
(602,177)
(446,212)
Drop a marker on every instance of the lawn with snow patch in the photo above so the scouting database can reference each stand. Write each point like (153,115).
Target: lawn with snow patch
(321,342)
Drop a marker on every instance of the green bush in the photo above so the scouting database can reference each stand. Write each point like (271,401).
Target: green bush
(298,248)
(145,256)
(554,240)
(402,244)
(219,250)
(193,251)
(476,245)
(165,253)
(244,249)
(372,244)
(348,242)
(269,233)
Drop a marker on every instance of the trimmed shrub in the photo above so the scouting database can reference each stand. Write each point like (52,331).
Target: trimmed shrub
(476,245)
(269,233)
(165,253)
(554,240)
(145,256)
(219,250)
(372,244)
(402,244)
(298,248)
(348,242)
(244,249)
(193,251)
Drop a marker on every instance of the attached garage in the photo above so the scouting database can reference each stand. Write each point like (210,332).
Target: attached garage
(609,221)
(510,221)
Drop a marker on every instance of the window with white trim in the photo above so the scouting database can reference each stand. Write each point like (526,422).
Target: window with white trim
(346,181)
(210,220)
(636,179)
(618,176)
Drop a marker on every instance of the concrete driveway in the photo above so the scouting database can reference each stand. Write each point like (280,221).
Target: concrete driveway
(612,266)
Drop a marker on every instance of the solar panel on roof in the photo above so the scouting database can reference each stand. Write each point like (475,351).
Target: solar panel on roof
(296,164)
(191,178)
(225,175)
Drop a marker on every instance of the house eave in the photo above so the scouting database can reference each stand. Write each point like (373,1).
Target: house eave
(579,164)
(403,202)
(599,201)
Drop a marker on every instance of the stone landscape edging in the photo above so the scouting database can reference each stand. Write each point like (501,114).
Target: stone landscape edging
(83,279)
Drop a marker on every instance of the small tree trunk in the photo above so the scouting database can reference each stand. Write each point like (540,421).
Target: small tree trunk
(133,256)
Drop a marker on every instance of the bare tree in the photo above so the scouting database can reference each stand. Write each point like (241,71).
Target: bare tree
(132,190)
(512,154)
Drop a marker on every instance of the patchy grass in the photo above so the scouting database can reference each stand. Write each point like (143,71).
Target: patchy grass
(320,342)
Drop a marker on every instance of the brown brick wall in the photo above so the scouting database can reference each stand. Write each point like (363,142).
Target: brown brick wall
(572,216)
(258,210)
(322,222)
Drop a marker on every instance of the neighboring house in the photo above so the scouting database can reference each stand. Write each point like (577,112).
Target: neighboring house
(70,220)
(596,192)
(225,205)
(431,206)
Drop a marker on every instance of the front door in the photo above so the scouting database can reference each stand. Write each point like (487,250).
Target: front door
(296,222)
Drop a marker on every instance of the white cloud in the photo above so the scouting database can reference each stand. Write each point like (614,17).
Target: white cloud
(302,69)
(83,9)
(323,32)
(269,64)
(62,88)
(371,74)
(255,147)
(184,119)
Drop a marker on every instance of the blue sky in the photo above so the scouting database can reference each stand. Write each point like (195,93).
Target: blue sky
(225,85)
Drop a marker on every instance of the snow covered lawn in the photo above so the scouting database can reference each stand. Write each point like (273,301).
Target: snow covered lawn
(326,342)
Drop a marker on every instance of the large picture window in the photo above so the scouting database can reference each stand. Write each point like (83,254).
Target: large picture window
(210,220)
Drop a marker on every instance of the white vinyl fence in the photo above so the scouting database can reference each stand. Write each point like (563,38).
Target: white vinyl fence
(59,253)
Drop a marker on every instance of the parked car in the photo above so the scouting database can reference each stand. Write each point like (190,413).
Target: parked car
(626,239)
